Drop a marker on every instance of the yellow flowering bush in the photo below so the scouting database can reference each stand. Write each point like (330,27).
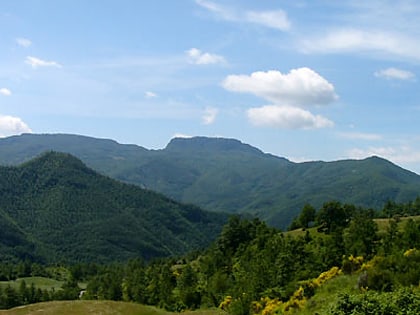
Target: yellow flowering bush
(299,298)
(410,252)
(271,306)
(225,303)
(352,264)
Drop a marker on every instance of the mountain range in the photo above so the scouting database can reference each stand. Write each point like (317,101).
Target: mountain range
(226,175)
(55,209)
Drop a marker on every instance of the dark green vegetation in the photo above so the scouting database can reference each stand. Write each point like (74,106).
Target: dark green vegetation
(54,208)
(227,175)
(345,264)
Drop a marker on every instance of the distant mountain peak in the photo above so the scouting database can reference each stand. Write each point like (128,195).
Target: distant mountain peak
(204,144)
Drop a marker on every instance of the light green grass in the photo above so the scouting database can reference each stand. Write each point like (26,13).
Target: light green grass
(327,294)
(384,223)
(84,307)
(382,226)
(39,282)
(96,308)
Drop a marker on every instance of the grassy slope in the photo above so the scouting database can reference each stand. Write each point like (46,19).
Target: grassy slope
(327,294)
(39,282)
(95,307)
(382,225)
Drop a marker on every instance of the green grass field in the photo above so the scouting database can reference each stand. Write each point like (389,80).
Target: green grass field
(327,294)
(95,308)
(39,282)
(382,225)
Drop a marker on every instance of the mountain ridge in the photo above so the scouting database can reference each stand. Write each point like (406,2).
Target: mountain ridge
(220,174)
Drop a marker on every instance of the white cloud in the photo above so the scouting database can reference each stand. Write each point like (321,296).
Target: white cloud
(5,92)
(149,94)
(300,87)
(400,154)
(24,42)
(181,135)
(209,116)
(196,56)
(360,136)
(381,43)
(36,62)
(276,19)
(380,29)
(220,10)
(10,125)
(273,19)
(286,117)
(394,73)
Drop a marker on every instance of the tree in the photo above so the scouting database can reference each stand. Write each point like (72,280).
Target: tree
(10,297)
(360,237)
(391,238)
(333,215)
(307,215)
(187,288)
(411,235)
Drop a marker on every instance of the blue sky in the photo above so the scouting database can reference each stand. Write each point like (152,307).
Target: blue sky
(306,80)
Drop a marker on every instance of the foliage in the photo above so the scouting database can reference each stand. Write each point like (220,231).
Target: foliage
(403,301)
(55,209)
(252,269)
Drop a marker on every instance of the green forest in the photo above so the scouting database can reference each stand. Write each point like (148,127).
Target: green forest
(55,209)
(338,259)
(226,175)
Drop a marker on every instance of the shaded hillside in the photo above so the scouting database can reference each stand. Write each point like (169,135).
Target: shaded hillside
(74,214)
(227,175)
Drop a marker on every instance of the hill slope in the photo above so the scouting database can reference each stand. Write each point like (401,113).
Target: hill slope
(227,175)
(68,212)
(95,308)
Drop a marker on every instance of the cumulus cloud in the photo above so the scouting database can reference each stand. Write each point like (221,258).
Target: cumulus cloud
(300,87)
(10,125)
(196,56)
(286,117)
(290,94)
(276,19)
(5,92)
(36,63)
(209,116)
(149,94)
(394,73)
(23,42)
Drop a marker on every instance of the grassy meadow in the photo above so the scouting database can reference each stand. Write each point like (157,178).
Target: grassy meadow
(95,308)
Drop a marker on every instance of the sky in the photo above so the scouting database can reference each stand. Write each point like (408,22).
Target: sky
(306,80)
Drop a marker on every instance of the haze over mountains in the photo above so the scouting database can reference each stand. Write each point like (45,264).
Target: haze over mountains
(226,175)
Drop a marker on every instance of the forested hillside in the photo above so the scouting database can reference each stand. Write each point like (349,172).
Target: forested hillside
(54,208)
(227,175)
(347,263)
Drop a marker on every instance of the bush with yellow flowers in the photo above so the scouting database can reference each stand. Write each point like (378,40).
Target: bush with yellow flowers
(298,299)
(352,264)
